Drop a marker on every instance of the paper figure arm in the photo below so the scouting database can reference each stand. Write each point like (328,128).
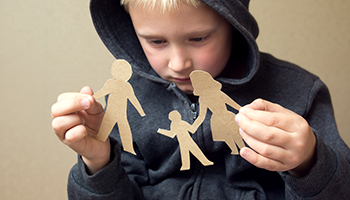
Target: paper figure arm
(132,98)
(200,118)
(166,133)
(106,89)
(230,102)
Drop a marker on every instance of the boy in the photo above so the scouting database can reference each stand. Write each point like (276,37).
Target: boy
(294,151)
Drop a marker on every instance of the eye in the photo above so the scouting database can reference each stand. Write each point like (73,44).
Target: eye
(198,39)
(156,42)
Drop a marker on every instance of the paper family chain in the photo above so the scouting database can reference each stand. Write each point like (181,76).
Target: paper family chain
(223,125)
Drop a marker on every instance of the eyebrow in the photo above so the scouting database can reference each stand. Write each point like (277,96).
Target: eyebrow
(204,31)
(146,35)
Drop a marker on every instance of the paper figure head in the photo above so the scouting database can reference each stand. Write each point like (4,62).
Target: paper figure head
(174,115)
(121,70)
(203,82)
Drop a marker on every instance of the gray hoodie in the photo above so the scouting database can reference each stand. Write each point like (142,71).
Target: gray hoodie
(154,173)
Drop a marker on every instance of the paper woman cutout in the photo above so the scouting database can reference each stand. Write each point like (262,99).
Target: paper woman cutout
(222,122)
(120,91)
(179,128)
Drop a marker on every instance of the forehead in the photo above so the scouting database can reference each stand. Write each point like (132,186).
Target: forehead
(187,18)
(164,5)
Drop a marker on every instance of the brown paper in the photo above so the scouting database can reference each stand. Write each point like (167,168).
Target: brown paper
(222,122)
(120,91)
(180,129)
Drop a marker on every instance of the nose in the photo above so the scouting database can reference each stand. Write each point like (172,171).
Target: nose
(180,60)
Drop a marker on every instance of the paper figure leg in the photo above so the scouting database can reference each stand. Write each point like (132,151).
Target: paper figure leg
(233,140)
(185,159)
(126,136)
(106,127)
(237,137)
(197,152)
(231,143)
(239,142)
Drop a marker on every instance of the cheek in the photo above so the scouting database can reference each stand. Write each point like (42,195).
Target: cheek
(156,61)
(213,60)
(159,65)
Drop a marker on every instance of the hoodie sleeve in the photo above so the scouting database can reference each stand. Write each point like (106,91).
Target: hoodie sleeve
(329,178)
(111,182)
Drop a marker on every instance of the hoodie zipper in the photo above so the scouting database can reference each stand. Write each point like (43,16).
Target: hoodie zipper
(193,106)
(194,111)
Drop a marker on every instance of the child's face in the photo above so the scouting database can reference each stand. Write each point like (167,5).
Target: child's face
(178,42)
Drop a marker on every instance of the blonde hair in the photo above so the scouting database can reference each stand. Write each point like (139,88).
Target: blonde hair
(164,5)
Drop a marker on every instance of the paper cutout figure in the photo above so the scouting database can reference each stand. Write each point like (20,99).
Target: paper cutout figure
(222,122)
(179,128)
(120,91)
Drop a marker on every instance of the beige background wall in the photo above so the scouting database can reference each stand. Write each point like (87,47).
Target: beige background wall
(49,47)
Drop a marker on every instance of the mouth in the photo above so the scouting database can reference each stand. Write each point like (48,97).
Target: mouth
(182,80)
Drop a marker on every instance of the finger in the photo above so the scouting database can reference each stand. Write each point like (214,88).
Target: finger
(72,105)
(261,132)
(95,108)
(60,125)
(87,90)
(281,120)
(264,149)
(74,135)
(79,140)
(260,104)
(71,95)
(261,161)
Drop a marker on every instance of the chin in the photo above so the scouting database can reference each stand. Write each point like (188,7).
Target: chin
(187,91)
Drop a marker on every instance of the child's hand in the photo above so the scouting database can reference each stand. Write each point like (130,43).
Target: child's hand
(281,139)
(77,117)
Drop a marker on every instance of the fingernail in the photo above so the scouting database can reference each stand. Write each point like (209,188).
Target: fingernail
(245,154)
(240,131)
(242,110)
(90,98)
(238,118)
(85,103)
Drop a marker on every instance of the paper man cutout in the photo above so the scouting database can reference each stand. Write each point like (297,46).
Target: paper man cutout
(120,91)
(179,128)
(222,122)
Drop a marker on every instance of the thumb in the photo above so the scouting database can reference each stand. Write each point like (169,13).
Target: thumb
(95,107)
(86,90)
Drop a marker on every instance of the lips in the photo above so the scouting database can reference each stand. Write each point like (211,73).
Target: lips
(182,80)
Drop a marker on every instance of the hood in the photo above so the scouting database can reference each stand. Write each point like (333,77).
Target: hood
(114,26)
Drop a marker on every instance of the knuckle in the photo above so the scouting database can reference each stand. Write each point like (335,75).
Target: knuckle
(259,100)
(269,165)
(242,125)
(268,137)
(271,120)
(61,97)
(265,151)
(300,144)
(73,104)
(54,111)
(304,125)
(66,142)
(56,125)
(70,137)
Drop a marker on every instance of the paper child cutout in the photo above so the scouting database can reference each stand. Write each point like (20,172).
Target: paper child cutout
(222,122)
(179,129)
(120,91)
